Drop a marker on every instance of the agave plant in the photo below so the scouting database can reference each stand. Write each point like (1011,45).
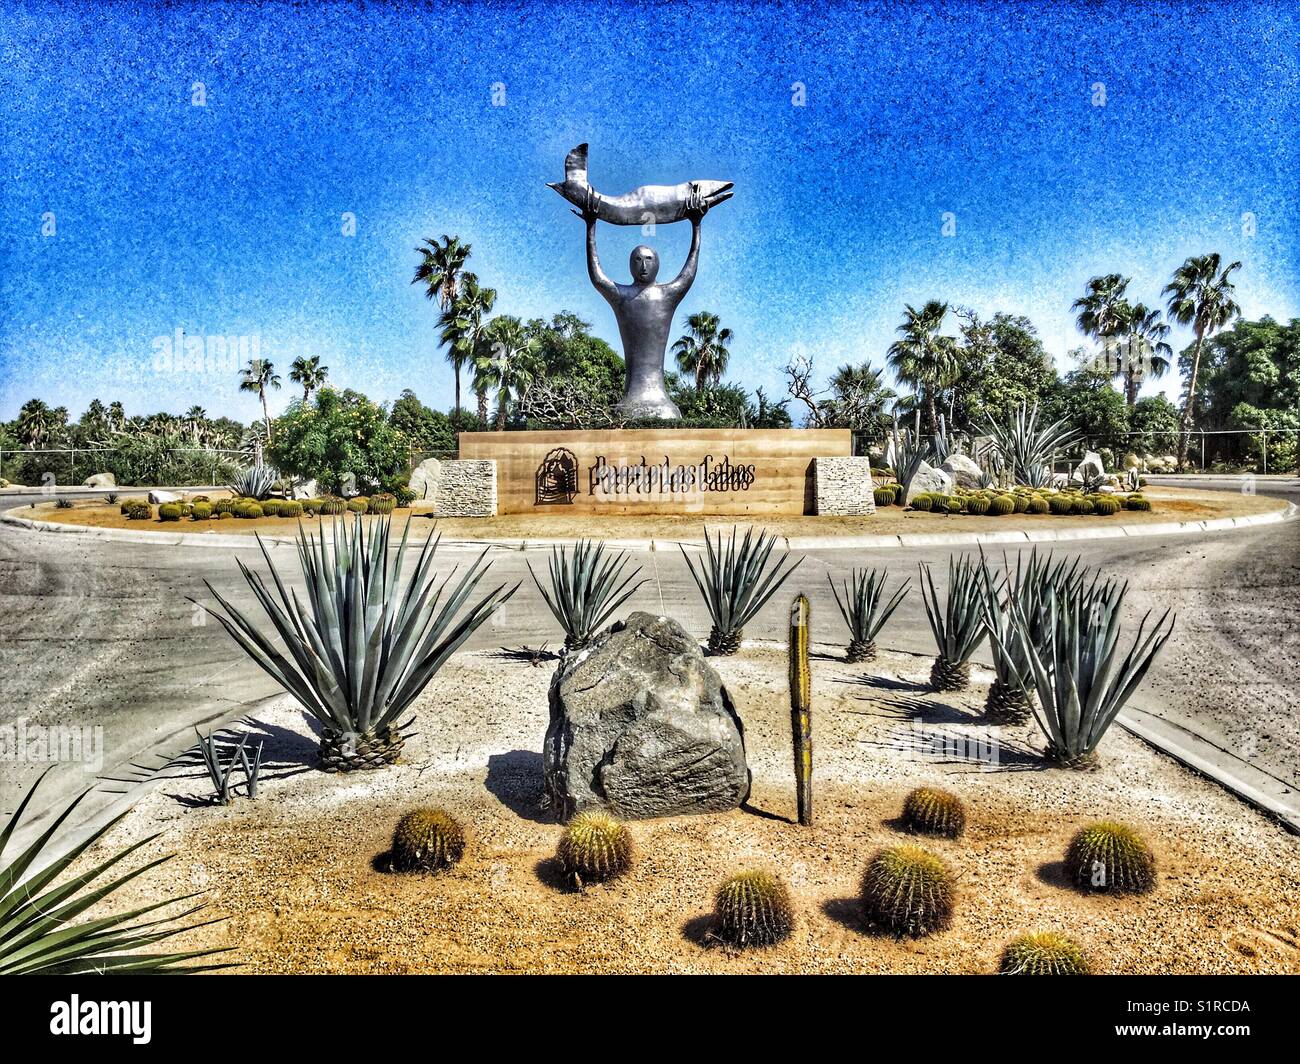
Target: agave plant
(945,443)
(1024,443)
(1081,681)
(38,935)
(735,583)
(360,650)
(957,624)
(865,609)
(254,482)
(221,770)
(910,453)
(587,587)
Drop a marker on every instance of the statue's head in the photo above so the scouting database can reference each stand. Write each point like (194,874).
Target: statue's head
(644,264)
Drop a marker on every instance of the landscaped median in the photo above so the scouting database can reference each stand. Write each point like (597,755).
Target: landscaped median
(1173,509)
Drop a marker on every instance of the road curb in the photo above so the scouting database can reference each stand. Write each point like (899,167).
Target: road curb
(886,542)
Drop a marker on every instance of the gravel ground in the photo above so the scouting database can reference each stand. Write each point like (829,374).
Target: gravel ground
(294,873)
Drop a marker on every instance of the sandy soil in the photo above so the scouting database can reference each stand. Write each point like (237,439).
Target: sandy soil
(294,870)
(1168,504)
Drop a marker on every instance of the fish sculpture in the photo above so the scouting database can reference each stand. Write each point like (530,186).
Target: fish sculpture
(658,204)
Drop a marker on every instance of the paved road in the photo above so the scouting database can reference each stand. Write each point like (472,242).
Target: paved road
(98,634)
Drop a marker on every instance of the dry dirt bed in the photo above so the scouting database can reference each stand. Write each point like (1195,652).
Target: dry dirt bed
(293,870)
(1168,504)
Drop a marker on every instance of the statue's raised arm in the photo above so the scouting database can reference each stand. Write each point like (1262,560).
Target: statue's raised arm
(696,208)
(599,279)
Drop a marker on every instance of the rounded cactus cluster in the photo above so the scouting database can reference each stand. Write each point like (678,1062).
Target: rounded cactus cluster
(1137,502)
(427,840)
(977,504)
(383,503)
(1043,953)
(1105,506)
(332,506)
(1082,505)
(883,496)
(138,510)
(1061,504)
(907,890)
(594,847)
(931,811)
(169,511)
(1036,505)
(1002,505)
(224,506)
(753,908)
(359,505)
(271,507)
(201,511)
(922,502)
(1111,858)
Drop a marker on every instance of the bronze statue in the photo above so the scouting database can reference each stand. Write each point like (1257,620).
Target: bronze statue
(644,310)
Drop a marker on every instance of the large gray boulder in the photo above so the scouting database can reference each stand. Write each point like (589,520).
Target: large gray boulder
(424,479)
(641,726)
(100,480)
(1090,468)
(928,481)
(158,497)
(963,471)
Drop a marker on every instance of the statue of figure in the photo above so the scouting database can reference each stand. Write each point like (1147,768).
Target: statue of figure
(644,310)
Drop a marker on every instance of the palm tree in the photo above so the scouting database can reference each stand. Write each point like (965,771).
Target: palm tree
(258,376)
(923,359)
(116,417)
(1200,295)
(442,266)
(1139,342)
(463,326)
(703,349)
(1103,308)
(502,364)
(37,423)
(309,373)
(196,420)
(861,397)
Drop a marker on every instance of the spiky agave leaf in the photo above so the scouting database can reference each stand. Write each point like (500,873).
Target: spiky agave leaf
(587,588)
(37,930)
(254,482)
(1026,446)
(863,605)
(360,650)
(910,453)
(957,624)
(733,581)
(1081,681)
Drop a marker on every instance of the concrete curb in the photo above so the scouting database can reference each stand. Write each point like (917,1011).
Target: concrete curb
(888,542)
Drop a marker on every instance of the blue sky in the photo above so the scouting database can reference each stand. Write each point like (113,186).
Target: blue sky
(226,219)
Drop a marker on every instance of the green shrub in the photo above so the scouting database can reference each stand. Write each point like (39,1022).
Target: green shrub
(922,502)
(1001,505)
(427,840)
(1137,502)
(931,811)
(977,505)
(138,510)
(359,505)
(332,505)
(594,847)
(1112,858)
(405,496)
(382,504)
(1037,505)
(1042,953)
(201,511)
(753,909)
(1082,506)
(907,891)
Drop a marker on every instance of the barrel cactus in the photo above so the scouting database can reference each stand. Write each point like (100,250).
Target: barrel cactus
(978,505)
(1037,505)
(922,502)
(427,840)
(1061,505)
(1137,502)
(594,847)
(290,508)
(382,503)
(1043,953)
(138,510)
(1105,506)
(931,811)
(1082,505)
(907,890)
(1001,505)
(753,908)
(270,507)
(883,496)
(1112,858)
(359,505)
(169,511)
(201,511)
(332,506)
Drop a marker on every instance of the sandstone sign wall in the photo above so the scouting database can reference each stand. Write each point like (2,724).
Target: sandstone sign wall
(650,471)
